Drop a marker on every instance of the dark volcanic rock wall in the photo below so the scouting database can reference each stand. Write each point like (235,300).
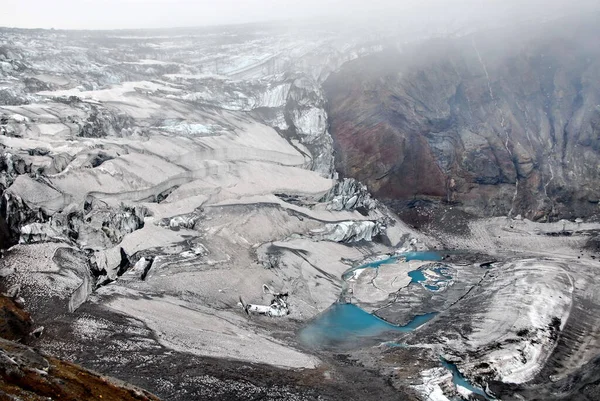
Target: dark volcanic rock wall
(506,122)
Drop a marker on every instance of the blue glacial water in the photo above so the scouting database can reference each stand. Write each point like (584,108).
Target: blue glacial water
(459,380)
(408,256)
(417,277)
(422,255)
(347,323)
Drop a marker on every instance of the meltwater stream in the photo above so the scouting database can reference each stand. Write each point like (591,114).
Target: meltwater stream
(459,380)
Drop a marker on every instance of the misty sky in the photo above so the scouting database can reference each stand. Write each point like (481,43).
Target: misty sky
(117,14)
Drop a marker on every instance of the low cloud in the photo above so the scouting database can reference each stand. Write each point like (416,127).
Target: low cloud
(113,14)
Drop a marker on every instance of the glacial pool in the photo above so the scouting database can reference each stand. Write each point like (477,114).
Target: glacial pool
(427,256)
(439,281)
(343,324)
(422,255)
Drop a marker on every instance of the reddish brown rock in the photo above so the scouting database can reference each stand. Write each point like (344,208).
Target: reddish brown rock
(26,374)
(466,119)
(15,323)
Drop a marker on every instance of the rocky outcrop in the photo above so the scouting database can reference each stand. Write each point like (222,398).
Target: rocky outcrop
(349,194)
(308,123)
(17,214)
(101,122)
(39,232)
(96,227)
(102,226)
(25,373)
(498,123)
(15,322)
(141,267)
(188,220)
(10,167)
(349,231)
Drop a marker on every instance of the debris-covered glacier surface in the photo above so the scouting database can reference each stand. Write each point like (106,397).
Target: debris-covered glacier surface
(161,192)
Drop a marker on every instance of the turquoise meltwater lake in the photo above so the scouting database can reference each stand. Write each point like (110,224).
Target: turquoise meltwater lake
(346,323)
(422,255)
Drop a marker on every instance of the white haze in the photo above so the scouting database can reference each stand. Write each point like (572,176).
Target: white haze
(123,14)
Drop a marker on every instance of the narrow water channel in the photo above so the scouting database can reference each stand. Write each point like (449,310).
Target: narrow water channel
(459,380)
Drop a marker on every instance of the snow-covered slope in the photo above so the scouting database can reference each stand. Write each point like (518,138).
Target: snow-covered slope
(145,177)
(158,189)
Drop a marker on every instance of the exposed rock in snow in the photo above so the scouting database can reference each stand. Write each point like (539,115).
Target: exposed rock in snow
(19,214)
(180,173)
(112,224)
(349,231)
(141,268)
(39,232)
(10,167)
(434,382)
(188,220)
(349,194)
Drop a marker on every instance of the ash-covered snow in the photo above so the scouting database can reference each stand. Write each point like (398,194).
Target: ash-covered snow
(175,174)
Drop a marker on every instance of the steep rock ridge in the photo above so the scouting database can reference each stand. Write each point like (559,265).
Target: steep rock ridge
(497,122)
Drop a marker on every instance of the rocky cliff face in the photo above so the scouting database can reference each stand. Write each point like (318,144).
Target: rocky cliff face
(498,123)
